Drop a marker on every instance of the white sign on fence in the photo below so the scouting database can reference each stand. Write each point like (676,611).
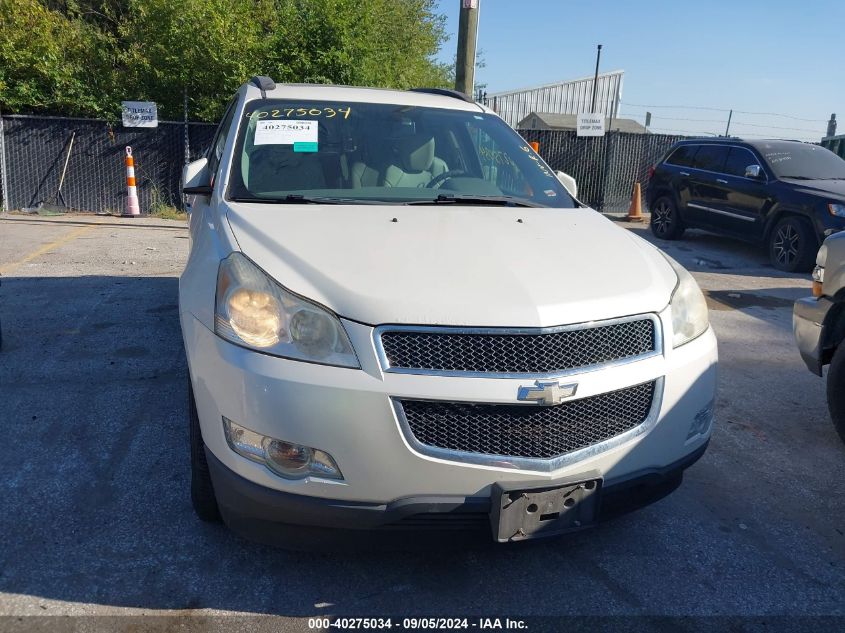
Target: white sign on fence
(591,124)
(139,114)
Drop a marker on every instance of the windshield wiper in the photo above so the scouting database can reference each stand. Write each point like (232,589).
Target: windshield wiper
(298,198)
(504,201)
(293,198)
(799,177)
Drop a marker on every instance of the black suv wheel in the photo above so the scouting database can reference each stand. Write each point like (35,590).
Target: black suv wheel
(793,245)
(665,221)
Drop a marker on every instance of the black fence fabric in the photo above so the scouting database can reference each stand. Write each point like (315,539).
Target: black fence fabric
(34,150)
(604,167)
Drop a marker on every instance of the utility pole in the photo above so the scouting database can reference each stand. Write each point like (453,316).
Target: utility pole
(728,129)
(467,40)
(596,79)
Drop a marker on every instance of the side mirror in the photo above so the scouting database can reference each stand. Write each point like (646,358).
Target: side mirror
(196,179)
(753,171)
(568,182)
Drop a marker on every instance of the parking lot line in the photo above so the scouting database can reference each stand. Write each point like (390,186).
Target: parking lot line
(46,248)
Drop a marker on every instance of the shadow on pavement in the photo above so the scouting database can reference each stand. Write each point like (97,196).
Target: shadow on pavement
(700,251)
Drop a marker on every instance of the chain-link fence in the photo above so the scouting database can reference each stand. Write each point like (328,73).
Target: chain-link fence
(35,151)
(605,167)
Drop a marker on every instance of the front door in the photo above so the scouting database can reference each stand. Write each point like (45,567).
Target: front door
(739,202)
(704,188)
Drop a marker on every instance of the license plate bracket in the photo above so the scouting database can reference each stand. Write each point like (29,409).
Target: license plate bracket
(527,513)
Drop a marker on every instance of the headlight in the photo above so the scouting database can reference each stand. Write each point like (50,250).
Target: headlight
(689,308)
(837,209)
(254,311)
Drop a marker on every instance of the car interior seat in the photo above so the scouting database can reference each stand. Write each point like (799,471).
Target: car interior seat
(367,169)
(365,174)
(279,168)
(414,163)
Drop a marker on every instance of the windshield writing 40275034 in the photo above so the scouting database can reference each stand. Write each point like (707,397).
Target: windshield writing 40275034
(328,112)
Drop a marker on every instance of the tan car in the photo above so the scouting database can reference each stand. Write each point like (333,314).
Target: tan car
(819,325)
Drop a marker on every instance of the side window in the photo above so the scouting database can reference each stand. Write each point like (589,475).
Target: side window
(711,157)
(215,152)
(496,166)
(683,156)
(738,159)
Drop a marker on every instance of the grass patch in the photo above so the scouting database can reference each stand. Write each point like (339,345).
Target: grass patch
(168,212)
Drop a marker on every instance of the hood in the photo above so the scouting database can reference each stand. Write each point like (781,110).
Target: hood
(834,189)
(449,265)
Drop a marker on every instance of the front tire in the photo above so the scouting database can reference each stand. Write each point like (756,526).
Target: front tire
(665,221)
(836,390)
(202,490)
(793,245)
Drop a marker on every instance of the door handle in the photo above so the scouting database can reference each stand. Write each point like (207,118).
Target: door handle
(721,181)
(684,173)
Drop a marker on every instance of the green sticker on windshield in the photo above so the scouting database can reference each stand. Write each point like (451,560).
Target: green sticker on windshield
(304,147)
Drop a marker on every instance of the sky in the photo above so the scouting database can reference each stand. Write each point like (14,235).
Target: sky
(785,57)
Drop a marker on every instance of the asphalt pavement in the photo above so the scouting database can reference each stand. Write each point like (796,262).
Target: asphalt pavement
(95,515)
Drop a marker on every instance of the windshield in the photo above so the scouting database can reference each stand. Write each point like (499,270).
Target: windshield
(321,151)
(802,161)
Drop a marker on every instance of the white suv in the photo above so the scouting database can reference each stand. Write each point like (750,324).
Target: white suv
(396,317)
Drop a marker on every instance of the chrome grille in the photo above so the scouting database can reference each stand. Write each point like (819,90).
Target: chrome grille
(446,350)
(526,431)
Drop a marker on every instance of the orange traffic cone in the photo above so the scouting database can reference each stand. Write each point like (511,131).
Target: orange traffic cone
(635,211)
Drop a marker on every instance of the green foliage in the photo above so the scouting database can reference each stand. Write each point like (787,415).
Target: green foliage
(49,61)
(167,212)
(79,57)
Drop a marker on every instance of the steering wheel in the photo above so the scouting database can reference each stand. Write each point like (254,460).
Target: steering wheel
(435,182)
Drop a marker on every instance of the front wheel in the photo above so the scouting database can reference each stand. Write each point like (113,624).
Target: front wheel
(793,245)
(665,221)
(836,390)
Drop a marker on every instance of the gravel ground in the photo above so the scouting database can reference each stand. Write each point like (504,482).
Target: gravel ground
(96,518)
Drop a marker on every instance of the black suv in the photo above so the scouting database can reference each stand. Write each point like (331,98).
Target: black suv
(787,194)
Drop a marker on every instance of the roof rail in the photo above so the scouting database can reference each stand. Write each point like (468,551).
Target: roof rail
(445,92)
(263,83)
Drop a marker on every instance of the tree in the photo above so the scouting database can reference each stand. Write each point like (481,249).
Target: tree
(207,47)
(49,62)
(91,54)
(375,42)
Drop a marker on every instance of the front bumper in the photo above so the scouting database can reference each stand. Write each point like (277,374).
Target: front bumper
(349,414)
(808,318)
(277,517)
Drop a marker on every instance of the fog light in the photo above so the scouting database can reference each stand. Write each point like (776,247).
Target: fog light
(286,459)
(289,460)
(701,422)
(818,281)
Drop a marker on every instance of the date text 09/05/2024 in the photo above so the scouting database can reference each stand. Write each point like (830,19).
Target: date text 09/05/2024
(412,624)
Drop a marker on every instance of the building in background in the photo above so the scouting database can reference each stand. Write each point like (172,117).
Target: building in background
(835,144)
(566,97)
(569,122)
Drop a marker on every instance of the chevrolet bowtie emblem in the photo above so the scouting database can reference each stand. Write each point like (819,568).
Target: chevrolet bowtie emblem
(546,393)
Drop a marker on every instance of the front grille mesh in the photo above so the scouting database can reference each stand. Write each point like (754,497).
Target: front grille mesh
(525,430)
(518,353)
